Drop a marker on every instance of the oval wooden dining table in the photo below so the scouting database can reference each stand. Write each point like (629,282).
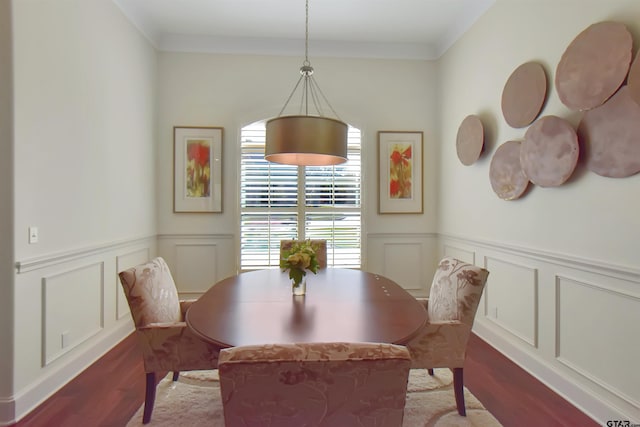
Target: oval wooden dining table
(340,305)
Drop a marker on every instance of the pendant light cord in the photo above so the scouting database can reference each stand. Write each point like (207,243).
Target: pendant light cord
(309,83)
(306,34)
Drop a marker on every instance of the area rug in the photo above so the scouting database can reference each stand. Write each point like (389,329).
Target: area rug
(194,400)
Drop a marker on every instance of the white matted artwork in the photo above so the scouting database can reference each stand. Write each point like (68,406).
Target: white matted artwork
(400,173)
(197,169)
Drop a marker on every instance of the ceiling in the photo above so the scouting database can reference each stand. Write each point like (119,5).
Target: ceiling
(411,29)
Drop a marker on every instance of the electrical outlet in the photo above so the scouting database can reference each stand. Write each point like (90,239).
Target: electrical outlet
(33,235)
(64,339)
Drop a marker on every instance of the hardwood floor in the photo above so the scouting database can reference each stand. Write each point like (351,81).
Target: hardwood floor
(110,391)
(512,395)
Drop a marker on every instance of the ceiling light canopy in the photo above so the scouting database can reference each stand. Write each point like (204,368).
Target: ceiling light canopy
(304,139)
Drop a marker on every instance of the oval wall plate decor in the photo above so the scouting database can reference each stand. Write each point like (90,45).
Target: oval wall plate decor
(524,94)
(470,140)
(610,136)
(633,79)
(505,173)
(594,65)
(549,152)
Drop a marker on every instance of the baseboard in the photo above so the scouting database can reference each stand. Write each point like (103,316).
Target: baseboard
(12,410)
(7,412)
(589,403)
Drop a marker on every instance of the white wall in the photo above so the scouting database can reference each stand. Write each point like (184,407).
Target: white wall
(84,125)
(563,297)
(6,208)
(234,90)
(84,174)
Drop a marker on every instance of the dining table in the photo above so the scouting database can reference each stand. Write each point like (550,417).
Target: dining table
(340,305)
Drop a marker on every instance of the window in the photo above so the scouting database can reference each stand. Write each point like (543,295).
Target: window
(270,210)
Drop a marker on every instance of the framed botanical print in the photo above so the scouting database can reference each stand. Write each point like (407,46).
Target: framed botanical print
(400,174)
(197,169)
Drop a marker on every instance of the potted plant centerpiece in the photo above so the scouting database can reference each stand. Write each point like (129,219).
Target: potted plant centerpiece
(297,259)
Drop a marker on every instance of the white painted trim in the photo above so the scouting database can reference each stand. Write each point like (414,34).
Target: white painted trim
(598,401)
(43,261)
(589,403)
(195,236)
(532,341)
(402,235)
(589,376)
(472,254)
(7,411)
(291,47)
(46,385)
(584,264)
(48,359)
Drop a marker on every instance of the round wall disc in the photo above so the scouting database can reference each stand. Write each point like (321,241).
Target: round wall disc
(594,65)
(470,140)
(505,173)
(610,136)
(549,152)
(524,94)
(633,79)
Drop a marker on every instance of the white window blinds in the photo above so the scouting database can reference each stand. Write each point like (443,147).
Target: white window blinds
(329,205)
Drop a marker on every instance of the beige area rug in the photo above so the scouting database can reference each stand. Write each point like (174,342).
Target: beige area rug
(195,401)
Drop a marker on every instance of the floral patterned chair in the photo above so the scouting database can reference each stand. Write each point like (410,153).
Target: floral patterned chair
(319,246)
(451,308)
(314,384)
(167,343)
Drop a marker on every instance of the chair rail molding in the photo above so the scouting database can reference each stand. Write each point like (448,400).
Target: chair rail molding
(74,295)
(389,254)
(615,270)
(568,320)
(49,260)
(198,261)
(195,236)
(402,235)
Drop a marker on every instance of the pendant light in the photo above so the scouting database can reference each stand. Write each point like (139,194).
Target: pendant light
(304,139)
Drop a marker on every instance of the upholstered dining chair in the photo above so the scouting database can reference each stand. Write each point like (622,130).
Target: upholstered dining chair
(319,246)
(314,384)
(167,343)
(451,309)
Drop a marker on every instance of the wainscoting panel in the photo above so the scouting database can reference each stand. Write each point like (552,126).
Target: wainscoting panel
(511,298)
(598,310)
(197,262)
(461,254)
(66,325)
(196,266)
(67,315)
(408,259)
(569,321)
(124,262)
(399,256)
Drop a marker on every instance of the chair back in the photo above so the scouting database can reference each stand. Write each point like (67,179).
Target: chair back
(314,384)
(456,290)
(151,293)
(319,246)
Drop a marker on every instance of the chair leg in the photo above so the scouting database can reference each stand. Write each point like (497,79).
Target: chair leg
(150,397)
(176,374)
(458,388)
(430,370)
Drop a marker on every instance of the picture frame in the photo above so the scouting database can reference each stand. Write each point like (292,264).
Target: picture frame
(197,169)
(400,172)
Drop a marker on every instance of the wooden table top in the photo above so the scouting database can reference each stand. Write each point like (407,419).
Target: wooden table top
(340,305)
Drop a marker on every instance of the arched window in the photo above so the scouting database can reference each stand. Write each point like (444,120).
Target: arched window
(279,202)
